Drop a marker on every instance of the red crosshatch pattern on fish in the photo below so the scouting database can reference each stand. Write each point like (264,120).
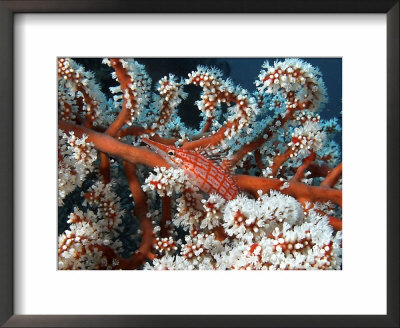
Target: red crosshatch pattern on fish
(206,174)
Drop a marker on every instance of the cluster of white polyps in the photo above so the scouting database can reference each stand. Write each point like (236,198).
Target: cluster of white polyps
(306,137)
(270,233)
(134,89)
(164,106)
(91,242)
(294,77)
(166,181)
(76,158)
(77,83)
(217,91)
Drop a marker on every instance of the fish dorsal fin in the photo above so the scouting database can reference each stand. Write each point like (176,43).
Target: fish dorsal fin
(227,167)
(234,178)
(211,154)
(218,158)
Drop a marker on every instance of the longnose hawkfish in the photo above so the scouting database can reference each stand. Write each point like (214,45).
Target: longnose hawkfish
(202,172)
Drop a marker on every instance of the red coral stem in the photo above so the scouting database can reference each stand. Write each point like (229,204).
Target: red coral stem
(332,177)
(300,170)
(300,191)
(145,222)
(257,157)
(334,222)
(280,159)
(111,146)
(166,215)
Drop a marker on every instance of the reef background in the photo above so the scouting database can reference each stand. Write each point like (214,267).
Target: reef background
(242,71)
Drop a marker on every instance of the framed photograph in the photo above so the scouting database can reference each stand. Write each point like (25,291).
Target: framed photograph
(204,164)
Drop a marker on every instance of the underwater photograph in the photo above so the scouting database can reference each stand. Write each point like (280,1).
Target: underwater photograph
(199,164)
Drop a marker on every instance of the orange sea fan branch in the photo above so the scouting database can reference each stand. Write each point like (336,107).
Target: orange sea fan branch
(166,215)
(300,191)
(141,213)
(332,177)
(116,148)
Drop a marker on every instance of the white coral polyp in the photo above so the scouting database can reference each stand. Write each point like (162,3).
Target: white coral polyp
(252,219)
(293,242)
(214,207)
(80,246)
(311,245)
(310,136)
(76,161)
(293,75)
(167,181)
(283,208)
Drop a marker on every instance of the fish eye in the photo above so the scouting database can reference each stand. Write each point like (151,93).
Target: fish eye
(171,153)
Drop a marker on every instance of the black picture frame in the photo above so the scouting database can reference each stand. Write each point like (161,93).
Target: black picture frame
(10,7)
